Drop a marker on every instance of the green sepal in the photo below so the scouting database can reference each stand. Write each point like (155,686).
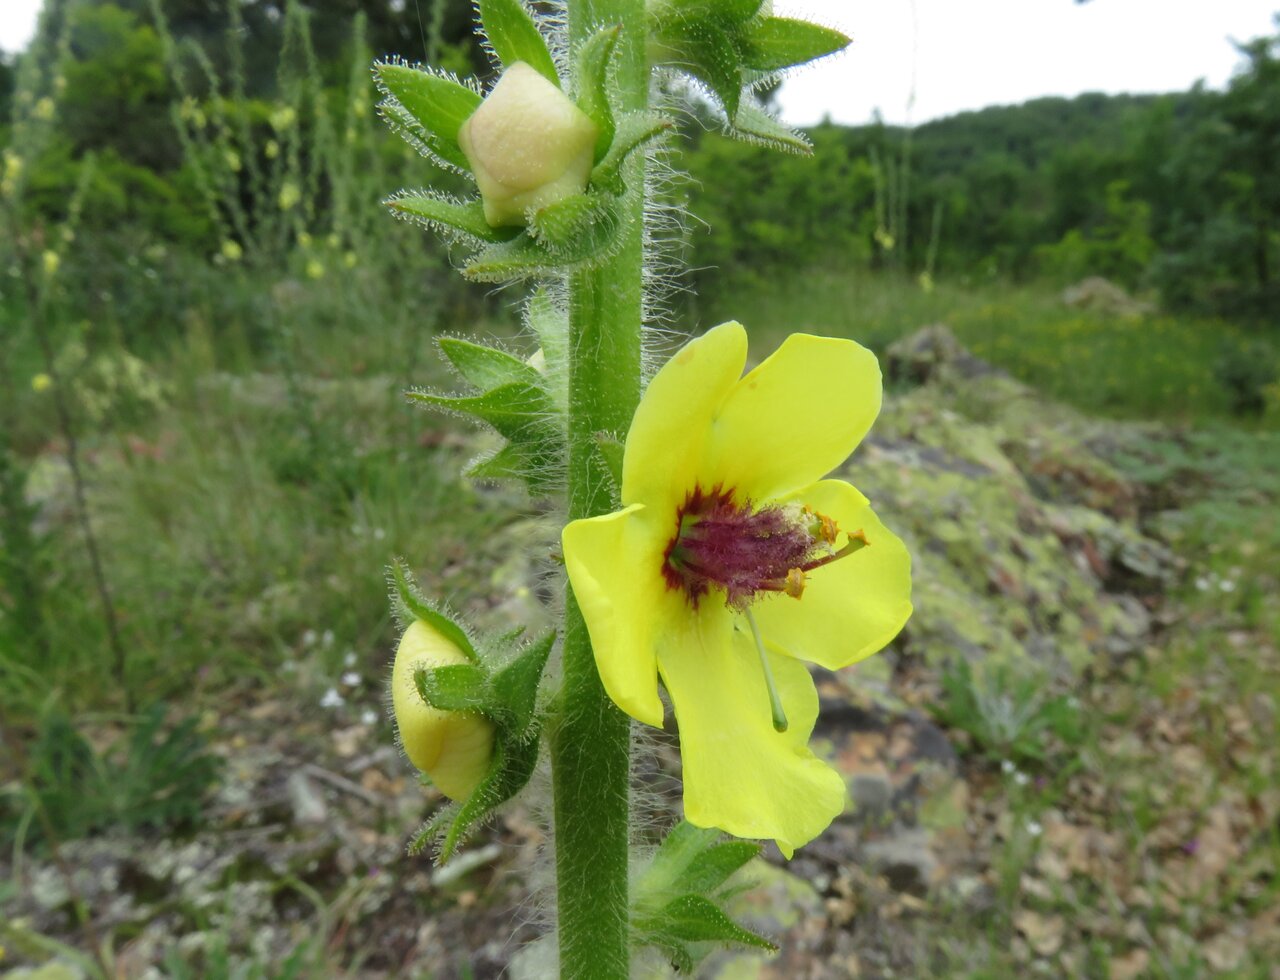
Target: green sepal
(634,129)
(515,686)
(520,410)
(578,228)
(486,367)
(774,43)
(753,125)
(514,36)
(525,256)
(693,918)
(441,213)
(456,687)
(611,451)
(420,608)
(429,107)
(710,53)
(691,860)
(593,78)
(514,462)
(513,763)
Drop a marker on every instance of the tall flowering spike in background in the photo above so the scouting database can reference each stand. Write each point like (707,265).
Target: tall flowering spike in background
(732,561)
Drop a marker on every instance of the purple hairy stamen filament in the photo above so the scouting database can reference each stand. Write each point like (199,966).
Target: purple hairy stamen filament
(744,552)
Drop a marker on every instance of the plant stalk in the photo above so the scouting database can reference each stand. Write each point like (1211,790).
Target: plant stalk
(590,749)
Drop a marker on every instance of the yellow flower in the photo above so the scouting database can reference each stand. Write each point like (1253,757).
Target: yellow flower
(733,561)
(290,195)
(232,251)
(452,747)
(529,146)
(41,382)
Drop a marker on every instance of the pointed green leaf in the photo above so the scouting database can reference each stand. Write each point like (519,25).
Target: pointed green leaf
(710,55)
(515,686)
(518,410)
(780,42)
(413,601)
(753,125)
(508,463)
(486,367)
(440,213)
(514,36)
(432,106)
(693,918)
(634,130)
(432,829)
(593,79)
(457,687)
(716,865)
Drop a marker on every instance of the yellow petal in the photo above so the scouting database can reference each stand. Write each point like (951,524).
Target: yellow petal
(852,607)
(668,436)
(452,747)
(615,568)
(794,418)
(739,774)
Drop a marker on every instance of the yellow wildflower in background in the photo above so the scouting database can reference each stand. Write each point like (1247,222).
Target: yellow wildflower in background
(232,250)
(41,382)
(51,261)
(733,561)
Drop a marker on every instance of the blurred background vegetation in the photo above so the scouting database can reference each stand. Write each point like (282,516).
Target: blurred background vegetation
(207,320)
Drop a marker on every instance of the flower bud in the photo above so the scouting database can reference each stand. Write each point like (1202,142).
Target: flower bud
(452,747)
(529,146)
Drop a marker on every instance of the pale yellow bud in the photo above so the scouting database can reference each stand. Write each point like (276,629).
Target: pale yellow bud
(231,251)
(272,149)
(452,747)
(290,195)
(529,146)
(51,261)
(315,269)
(41,382)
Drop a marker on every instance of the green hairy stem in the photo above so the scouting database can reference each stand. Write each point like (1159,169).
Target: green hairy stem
(590,748)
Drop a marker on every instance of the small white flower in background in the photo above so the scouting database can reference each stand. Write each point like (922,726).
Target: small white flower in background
(1227,585)
(309,638)
(368,716)
(332,699)
(350,679)
(379,534)
(1007,766)
(1204,583)
(1021,778)
(1034,828)
(349,658)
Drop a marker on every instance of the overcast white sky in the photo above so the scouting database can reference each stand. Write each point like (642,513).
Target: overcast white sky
(966,54)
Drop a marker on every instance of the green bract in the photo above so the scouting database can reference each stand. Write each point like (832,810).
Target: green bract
(730,46)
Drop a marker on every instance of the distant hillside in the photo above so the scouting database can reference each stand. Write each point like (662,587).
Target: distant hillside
(1174,191)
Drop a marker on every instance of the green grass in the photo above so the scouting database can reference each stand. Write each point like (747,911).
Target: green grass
(1152,365)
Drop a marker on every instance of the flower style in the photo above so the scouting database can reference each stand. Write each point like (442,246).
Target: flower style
(733,561)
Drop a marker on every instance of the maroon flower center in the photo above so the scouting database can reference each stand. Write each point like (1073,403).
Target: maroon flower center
(720,543)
